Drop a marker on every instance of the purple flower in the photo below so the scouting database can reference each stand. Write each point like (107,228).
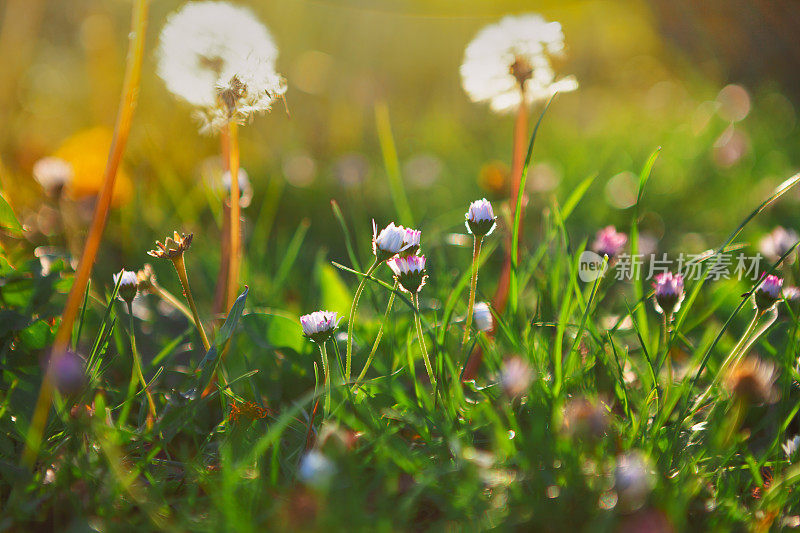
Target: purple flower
(768,292)
(480,218)
(409,272)
(609,241)
(68,371)
(319,325)
(669,292)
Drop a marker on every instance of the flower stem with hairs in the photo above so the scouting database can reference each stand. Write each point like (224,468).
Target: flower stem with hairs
(421,337)
(377,338)
(351,319)
(180,268)
(323,351)
(476,252)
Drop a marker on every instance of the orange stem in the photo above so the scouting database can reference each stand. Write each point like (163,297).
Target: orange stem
(234,262)
(130,93)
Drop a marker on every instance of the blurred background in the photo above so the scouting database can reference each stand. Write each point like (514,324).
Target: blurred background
(717,87)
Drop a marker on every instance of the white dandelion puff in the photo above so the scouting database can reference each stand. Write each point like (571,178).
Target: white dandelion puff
(220,59)
(512,57)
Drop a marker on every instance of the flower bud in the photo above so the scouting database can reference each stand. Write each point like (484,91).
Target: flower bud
(409,272)
(669,292)
(128,284)
(768,292)
(480,218)
(389,242)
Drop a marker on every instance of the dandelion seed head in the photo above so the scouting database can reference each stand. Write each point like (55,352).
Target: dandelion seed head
(220,59)
(511,54)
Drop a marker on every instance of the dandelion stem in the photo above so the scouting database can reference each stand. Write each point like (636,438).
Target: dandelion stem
(130,93)
(180,268)
(378,338)
(327,370)
(235,258)
(351,319)
(476,252)
(421,337)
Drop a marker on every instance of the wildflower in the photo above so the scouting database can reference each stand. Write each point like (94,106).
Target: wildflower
(86,152)
(409,272)
(389,242)
(669,292)
(128,285)
(753,380)
(52,173)
(511,60)
(411,240)
(768,292)
(791,446)
(609,242)
(585,419)
(480,218)
(220,59)
(172,247)
(69,371)
(316,470)
(777,242)
(484,320)
(516,376)
(633,480)
(319,325)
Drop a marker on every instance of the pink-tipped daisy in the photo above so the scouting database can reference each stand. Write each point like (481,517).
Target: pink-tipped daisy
(669,292)
(409,272)
(319,325)
(480,218)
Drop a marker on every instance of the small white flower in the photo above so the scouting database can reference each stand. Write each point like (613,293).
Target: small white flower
(128,284)
(319,325)
(409,271)
(510,55)
(316,470)
(52,173)
(484,320)
(791,446)
(411,241)
(221,60)
(480,217)
(390,241)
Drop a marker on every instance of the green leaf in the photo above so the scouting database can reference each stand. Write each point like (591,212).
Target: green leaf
(209,364)
(334,294)
(8,220)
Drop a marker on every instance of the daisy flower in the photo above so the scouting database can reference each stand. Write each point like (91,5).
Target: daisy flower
(220,59)
(128,284)
(389,242)
(319,325)
(512,58)
(409,272)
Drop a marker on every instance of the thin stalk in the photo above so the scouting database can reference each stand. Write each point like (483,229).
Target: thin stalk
(421,337)
(377,339)
(351,320)
(327,370)
(180,268)
(476,252)
(130,93)
(221,290)
(235,257)
(137,375)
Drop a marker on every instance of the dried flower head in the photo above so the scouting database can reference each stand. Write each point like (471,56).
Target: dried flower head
(512,58)
(319,325)
(128,285)
(389,242)
(409,272)
(609,242)
(516,376)
(753,381)
(52,173)
(768,292)
(172,247)
(146,278)
(480,218)
(220,59)
(669,292)
(777,242)
(482,315)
